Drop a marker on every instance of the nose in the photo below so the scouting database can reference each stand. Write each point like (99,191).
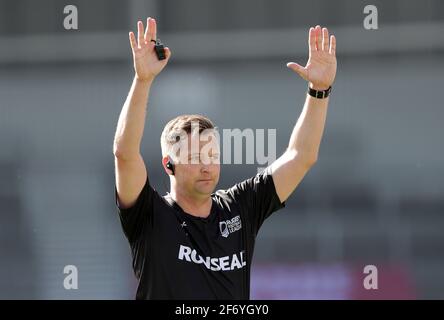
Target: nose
(204,169)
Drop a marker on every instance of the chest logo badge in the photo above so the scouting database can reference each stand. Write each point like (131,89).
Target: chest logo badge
(229,226)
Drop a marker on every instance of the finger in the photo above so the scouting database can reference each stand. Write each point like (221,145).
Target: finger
(146,36)
(133,41)
(153,29)
(167,53)
(140,33)
(318,37)
(332,45)
(300,70)
(312,39)
(325,42)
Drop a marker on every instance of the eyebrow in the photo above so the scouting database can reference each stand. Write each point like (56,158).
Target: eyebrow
(198,154)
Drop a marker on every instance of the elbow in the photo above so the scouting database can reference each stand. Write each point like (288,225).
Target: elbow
(305,159)
(307,162)
(311,162)
(119,152)
(125,154)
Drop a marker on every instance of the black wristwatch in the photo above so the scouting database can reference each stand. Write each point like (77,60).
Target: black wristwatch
(320,94)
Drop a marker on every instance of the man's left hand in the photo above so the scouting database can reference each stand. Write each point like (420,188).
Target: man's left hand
(320,70)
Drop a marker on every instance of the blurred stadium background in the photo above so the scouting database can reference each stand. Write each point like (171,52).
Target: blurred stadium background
(376,195)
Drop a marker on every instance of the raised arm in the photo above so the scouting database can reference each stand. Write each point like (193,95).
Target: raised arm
(303,148)
(130,170)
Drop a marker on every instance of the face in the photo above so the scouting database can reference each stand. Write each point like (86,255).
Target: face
(197,166)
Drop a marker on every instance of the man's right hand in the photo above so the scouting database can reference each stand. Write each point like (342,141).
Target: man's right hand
(146,64)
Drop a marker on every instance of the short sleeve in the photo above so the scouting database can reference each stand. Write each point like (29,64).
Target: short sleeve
(257,196)
(135,219)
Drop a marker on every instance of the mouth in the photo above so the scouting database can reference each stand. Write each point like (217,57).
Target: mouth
(204,180)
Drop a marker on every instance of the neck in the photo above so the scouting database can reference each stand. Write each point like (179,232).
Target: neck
(195,206)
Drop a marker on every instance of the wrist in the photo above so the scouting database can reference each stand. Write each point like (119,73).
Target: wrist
(318,87)
(144,80)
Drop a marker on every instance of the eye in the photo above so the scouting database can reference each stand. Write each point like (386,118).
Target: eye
(195,158)
(213,158)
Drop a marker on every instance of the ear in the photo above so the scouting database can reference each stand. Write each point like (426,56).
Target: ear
(164,164)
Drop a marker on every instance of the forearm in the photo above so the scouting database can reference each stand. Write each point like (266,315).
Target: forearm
(307,133)
(131,121)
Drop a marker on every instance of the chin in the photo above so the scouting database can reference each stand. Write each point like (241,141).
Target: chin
(206,190)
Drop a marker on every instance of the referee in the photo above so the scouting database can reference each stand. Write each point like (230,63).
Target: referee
(195,242)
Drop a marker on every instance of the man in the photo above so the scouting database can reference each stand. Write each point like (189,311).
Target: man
(194,243)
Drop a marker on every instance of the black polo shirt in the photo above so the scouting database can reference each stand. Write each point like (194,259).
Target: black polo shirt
(180,256)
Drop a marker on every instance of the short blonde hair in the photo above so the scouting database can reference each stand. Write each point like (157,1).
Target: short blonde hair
(177,126)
